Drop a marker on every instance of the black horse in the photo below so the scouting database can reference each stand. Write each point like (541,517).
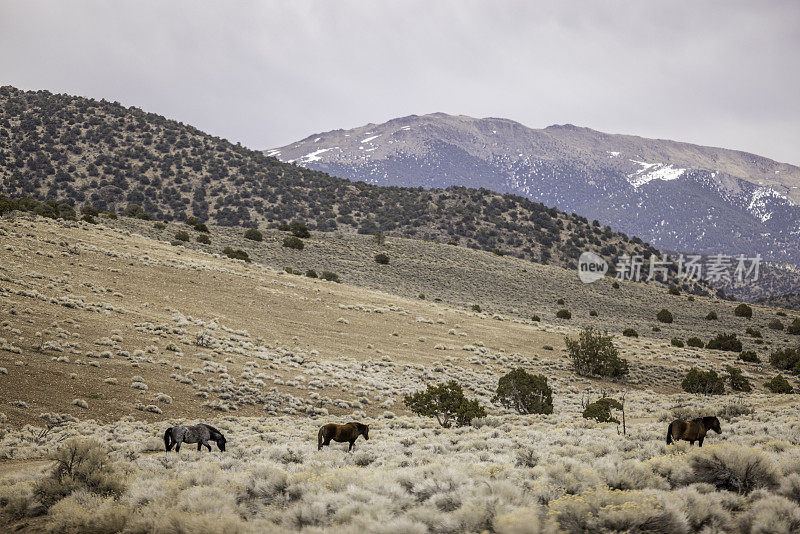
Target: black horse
(341,433)
(200,434)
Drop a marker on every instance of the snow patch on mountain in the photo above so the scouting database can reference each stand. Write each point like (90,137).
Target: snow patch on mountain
(760,201)
(312,156)
(653,171)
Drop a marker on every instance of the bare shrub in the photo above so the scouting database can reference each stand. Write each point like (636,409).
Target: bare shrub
(771,514)
(732,467)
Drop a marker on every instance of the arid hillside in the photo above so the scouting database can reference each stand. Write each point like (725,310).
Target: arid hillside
(136,326)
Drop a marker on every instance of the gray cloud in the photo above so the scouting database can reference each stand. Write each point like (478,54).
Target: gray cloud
(266,73)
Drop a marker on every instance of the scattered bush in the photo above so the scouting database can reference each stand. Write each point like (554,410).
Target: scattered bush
(786,359)
(477,308)
(382,258)
(594,354)
(630,332)
(293,242)
(254,235)
(703,382)
(743,310)
(736,380)
(564,314)
(236,254)
(560,302)
(775,324)
(675,342)
(695,342)
(159,225)
(794,328)
(183,235)
(600,410)
(749,356)
(80,464)
(727,342)
(731,467)
(615,284)
(299,230)
(674,291)
(524,392)
(712,316)
(204,239)
(330,276)
(536,319)
(445,402)
(664,316)
(753,332)
(311,273)
(778,384)
(592,313)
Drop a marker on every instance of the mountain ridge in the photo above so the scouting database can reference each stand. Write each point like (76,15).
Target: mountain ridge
(674,194)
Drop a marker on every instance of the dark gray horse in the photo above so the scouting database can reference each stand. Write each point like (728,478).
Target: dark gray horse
(200,434)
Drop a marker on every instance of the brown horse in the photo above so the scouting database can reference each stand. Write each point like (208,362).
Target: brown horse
(694,430)
(341,433)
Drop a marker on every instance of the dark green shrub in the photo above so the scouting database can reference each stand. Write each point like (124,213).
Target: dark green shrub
(183,235)
(753,332)
(89,219)
(737,381)
(781,314)
(293,242)
(695,342)
(311,273)
(299,230)
(536,319)
(600,410)
(564,314)
(330,276)
(560,302)
(592,313)
(159,225)
(728,342)
(203,238)
(615,285)
(236,254)
(476,308)
(794,328)
(703,382)
(674,291)
(498,252)
(690,298)
(382,259)
(675,342)
(192,221)
(749,356)
(421,296)
(664,316)
(630,332)
(524,392)
(786,360)
(594,354)
(712,316)
(775,324)
(201,227)
(254,235)
(656,329)
(779,385)
(445,402)
(743,310)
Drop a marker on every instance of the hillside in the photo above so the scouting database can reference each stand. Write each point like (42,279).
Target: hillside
(115,331)
(677,196)
(83,151)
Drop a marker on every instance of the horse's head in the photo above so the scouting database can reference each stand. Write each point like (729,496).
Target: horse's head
(364,429)
(713,424)
(221,443)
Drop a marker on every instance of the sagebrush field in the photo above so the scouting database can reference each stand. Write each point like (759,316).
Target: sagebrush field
(110,334)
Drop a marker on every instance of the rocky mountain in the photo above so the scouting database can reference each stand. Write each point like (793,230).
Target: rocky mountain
(76,152)
(677,196)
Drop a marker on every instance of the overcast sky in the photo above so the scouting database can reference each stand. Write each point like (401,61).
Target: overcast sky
(267,73)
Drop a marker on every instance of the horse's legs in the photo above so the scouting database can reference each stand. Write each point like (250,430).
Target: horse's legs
(326,442)
(352,441)
(207,446)
(691,442)
(178,446)
(700,442)
(199,445)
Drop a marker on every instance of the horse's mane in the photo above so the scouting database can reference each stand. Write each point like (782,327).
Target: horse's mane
(709,419)
(212,429)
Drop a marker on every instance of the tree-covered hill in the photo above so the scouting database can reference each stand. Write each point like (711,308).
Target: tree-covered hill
(81,151)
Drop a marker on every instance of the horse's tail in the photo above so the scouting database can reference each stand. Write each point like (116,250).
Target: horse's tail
(319,438)
(168,438)
(669,433)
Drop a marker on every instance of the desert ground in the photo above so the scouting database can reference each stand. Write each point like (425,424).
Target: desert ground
(110,333)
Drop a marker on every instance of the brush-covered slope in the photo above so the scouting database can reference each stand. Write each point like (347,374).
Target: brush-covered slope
(84,151)
(677,196)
